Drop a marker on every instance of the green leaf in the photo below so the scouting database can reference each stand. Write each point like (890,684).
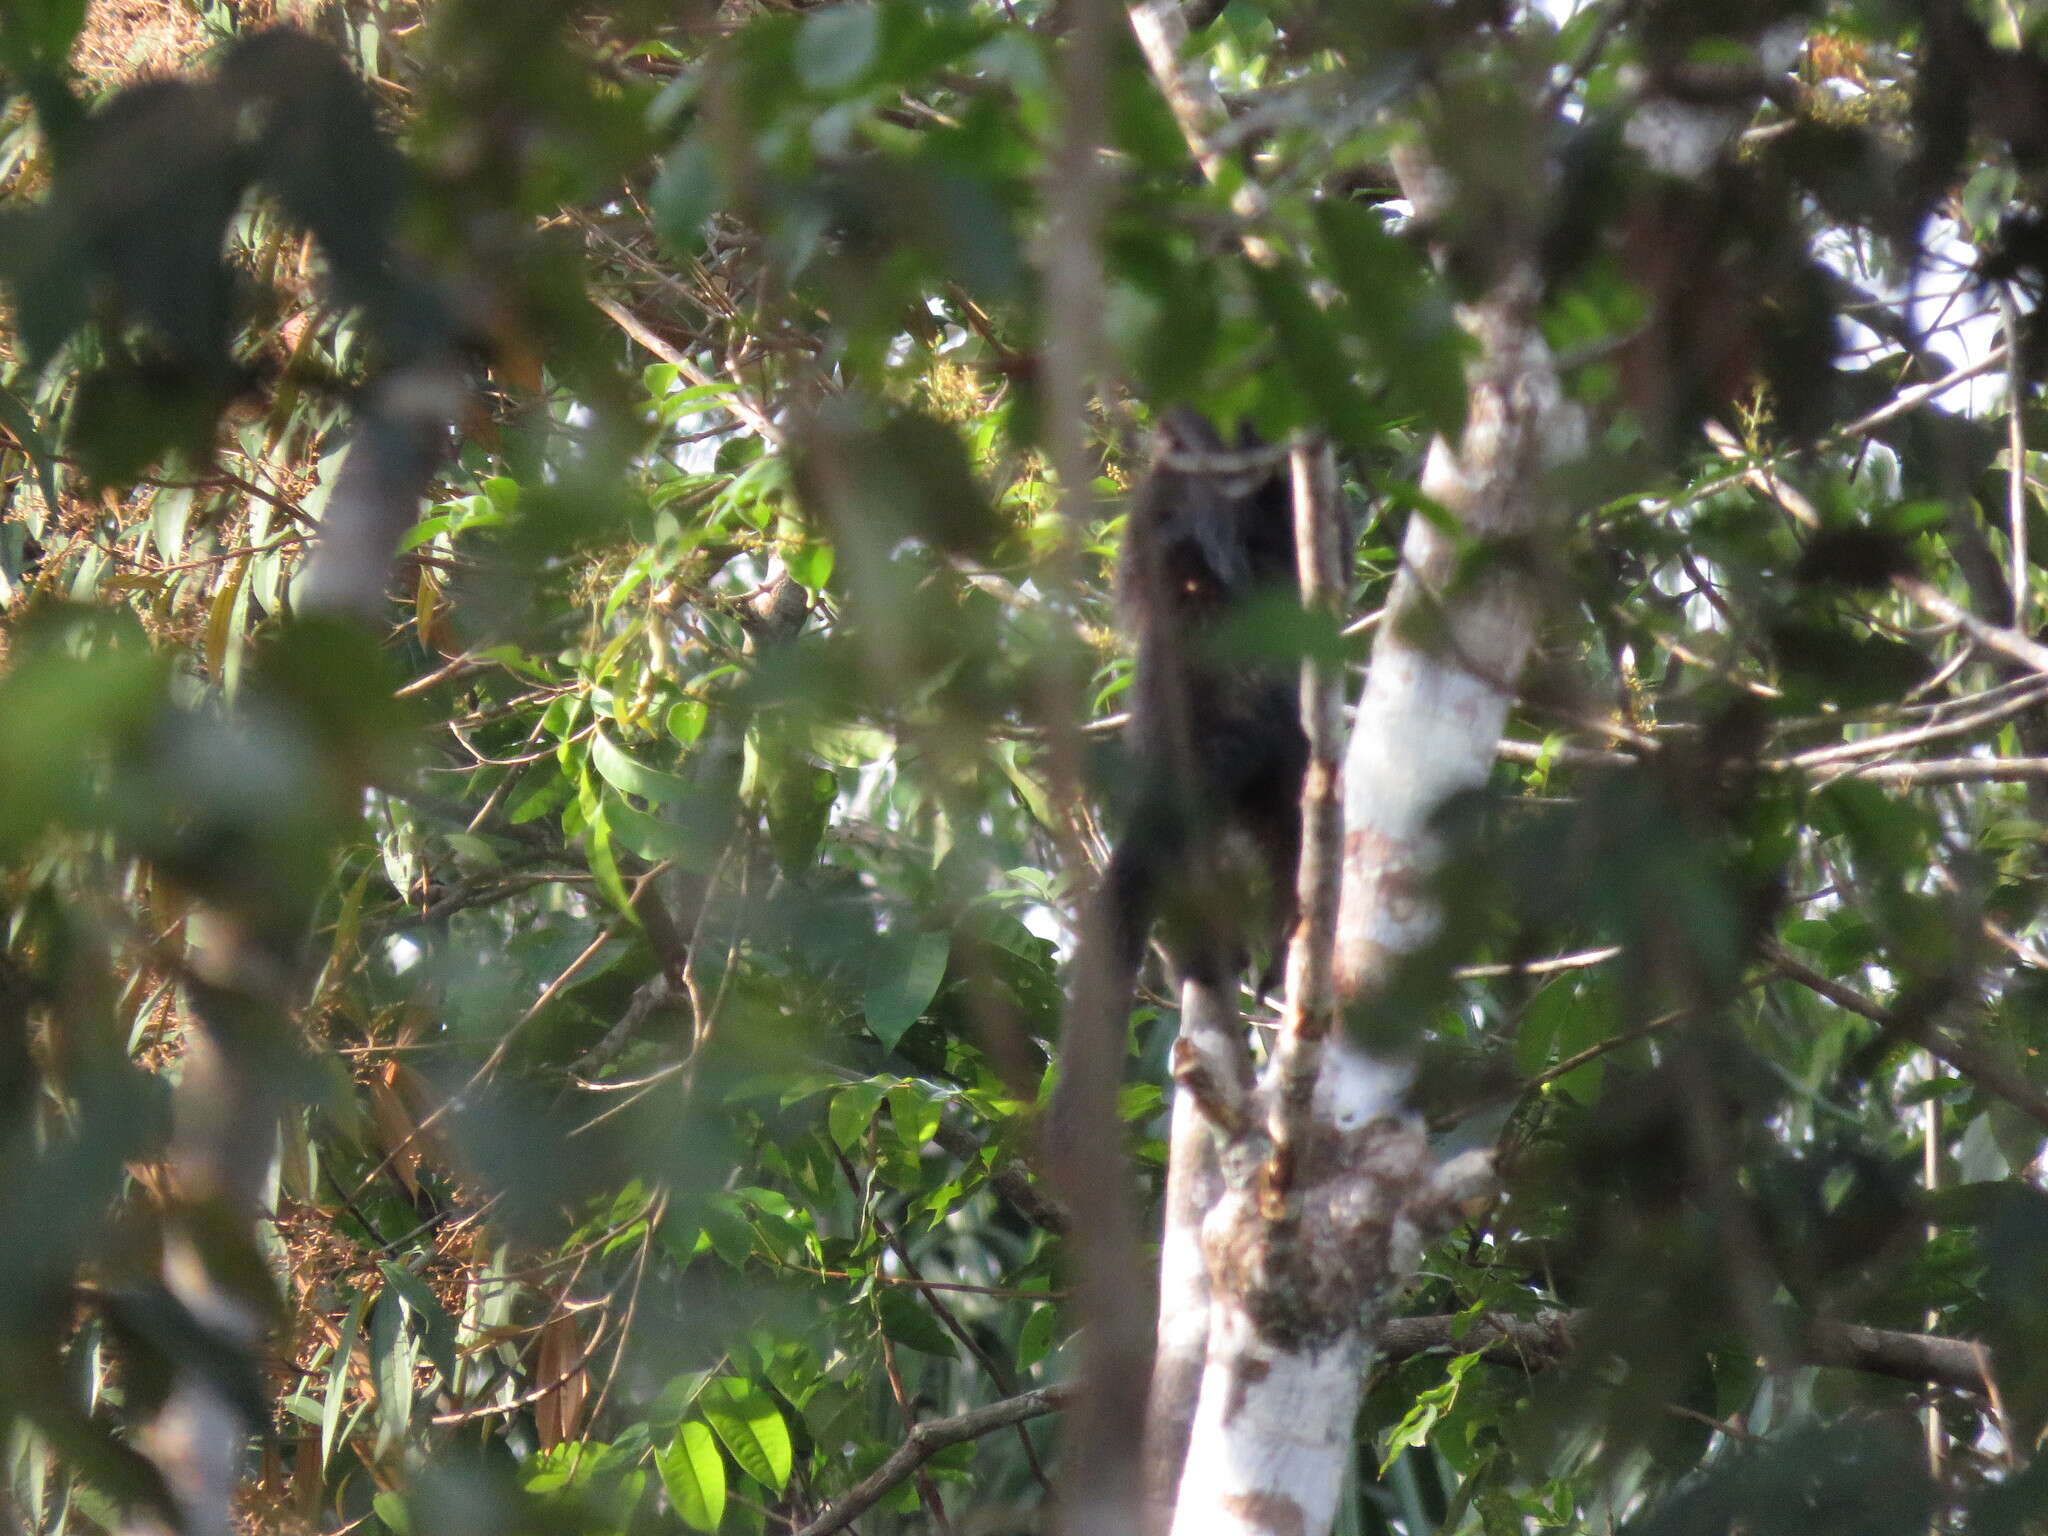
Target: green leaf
(337,1374)
(425,531)
(391,1367)
(1833,661)
(752,1428)
(694,1474)
(810,565)
(686,720)
(1310,356)
(1394,302)
(687,839)
(837,46)
(1034,1339)
(800,797)
(634,777)
(46,27)
(914,1111)
(169,513)
(905,968)
(598,854)
(124,419)
(730,1233)
(635,577)
(1028,789)
(685,192)
(438,1326)
(907,1320)
(81,707)
(548,790)
(20,421)
(1427,1409)
(390,1508)
(852,1108)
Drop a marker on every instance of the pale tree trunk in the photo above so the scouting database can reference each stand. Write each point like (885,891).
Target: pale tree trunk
(1331,1191)
(1323,1184)
(229,1095)
(1210,1049)
(222,1148)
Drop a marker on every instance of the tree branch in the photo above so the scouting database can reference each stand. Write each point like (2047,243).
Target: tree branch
(1547,1338)
(2007,642)
(1531,1344)
(926,1441)
(1965,1058)
(1925,772)
(735,402)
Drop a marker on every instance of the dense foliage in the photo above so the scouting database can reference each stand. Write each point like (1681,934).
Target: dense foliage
(649,930)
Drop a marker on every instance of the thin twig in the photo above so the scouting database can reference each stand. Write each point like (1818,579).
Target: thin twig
(730,396)
(1966,1059)
(1311,956)
(2016,456)
(1547,1338)
(926,1441)
(2007,642)
(1524,1343)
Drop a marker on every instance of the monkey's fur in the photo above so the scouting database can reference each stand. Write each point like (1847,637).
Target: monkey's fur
(1212,840)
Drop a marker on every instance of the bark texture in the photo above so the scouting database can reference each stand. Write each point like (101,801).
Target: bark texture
(1211,1066)
(1320,1226)
(1445,665)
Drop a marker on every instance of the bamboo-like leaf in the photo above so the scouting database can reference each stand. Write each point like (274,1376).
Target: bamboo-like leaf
(220,619)
(337,1374)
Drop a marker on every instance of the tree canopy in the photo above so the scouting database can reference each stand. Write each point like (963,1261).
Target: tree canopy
(558,683)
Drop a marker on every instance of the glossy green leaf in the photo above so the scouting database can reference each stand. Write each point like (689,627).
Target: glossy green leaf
(752,1429)
(626,772)
(693,1473)
(853,1108)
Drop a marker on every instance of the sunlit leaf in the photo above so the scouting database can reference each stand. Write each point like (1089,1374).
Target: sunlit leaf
(625,772)
(853,1107)
(694,1474)
(752,1429)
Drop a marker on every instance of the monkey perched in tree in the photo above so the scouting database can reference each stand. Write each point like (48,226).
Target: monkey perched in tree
(1213,835)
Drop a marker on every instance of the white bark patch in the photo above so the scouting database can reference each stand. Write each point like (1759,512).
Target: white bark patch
(1296,1279)
(1356,1089)
(1272,1434)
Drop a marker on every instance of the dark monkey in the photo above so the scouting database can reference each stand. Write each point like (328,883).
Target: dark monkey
(1217,752)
